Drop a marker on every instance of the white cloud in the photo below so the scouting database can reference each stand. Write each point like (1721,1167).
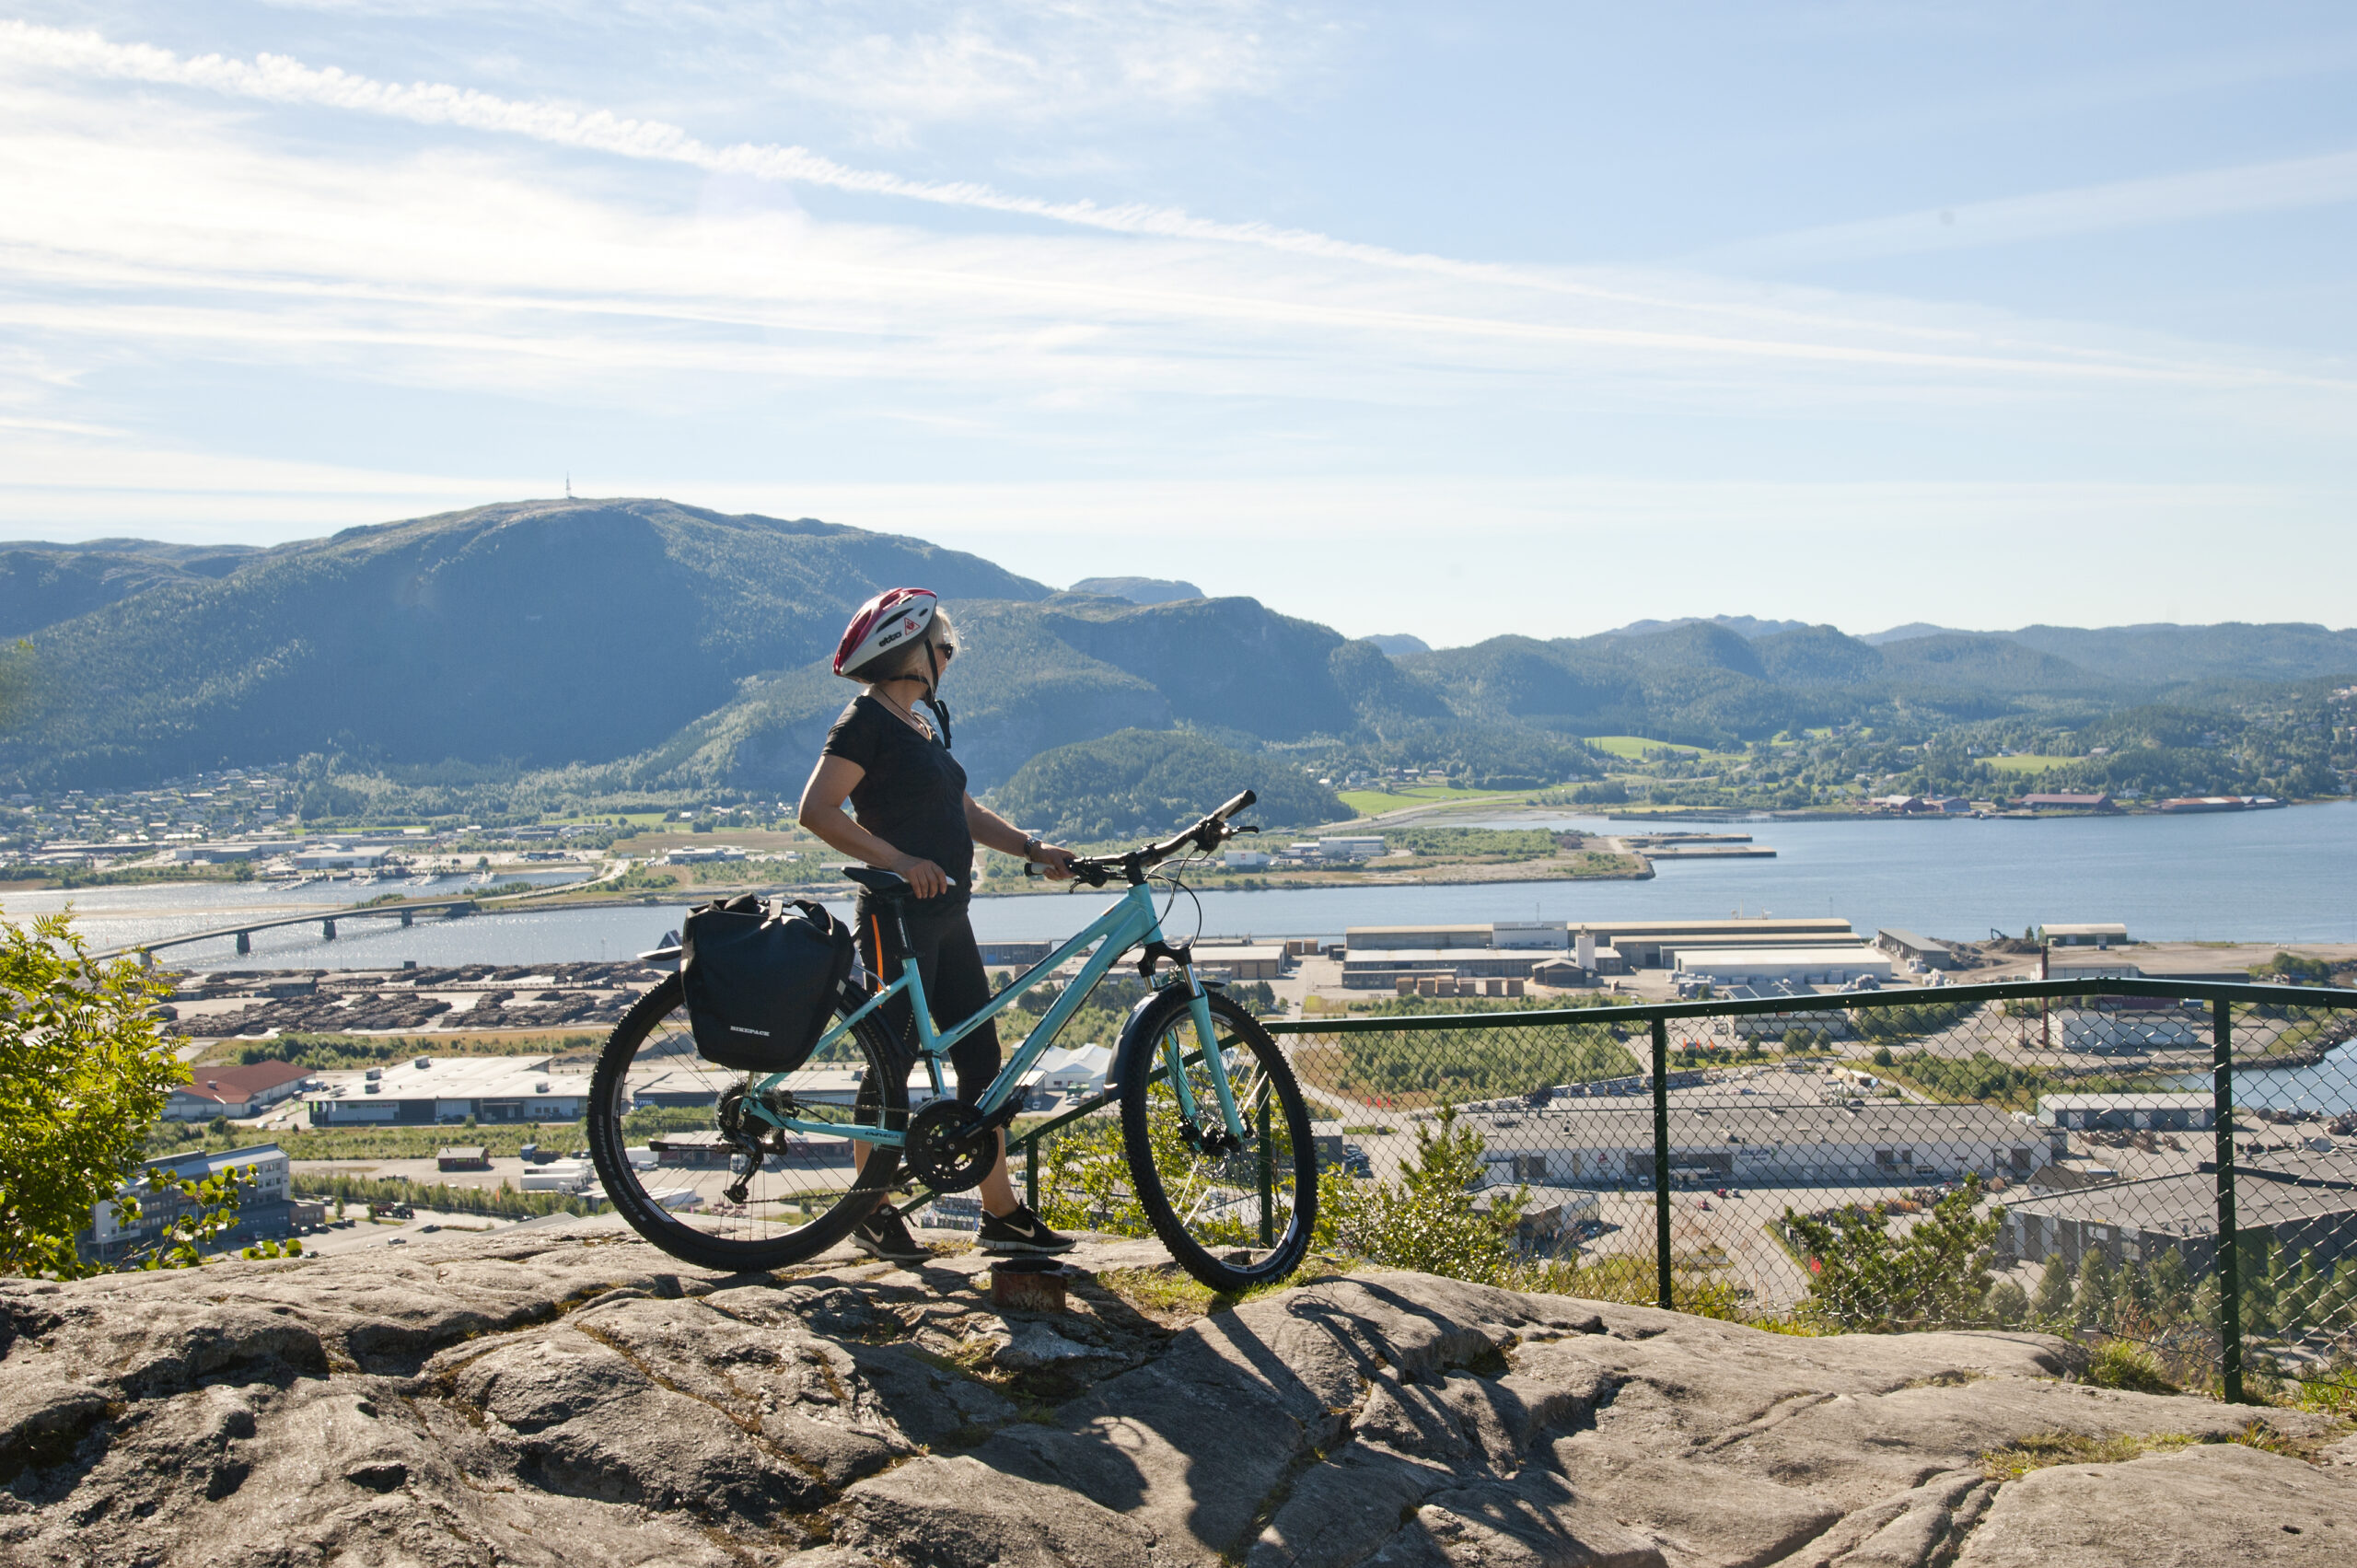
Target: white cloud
(2325,180)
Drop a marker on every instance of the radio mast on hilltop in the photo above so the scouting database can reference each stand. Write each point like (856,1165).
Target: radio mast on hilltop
(568,484)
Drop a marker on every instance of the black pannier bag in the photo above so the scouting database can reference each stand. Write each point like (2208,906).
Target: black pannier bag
(762,980)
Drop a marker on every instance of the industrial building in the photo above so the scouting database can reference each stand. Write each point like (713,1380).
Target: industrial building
(1910,948)
(1241,961)
(2127,1113)
(235,1092)
(1647,943)
(334,857)
(1383,969)
(2084,934)
(2135,1221)
(2098,1033)
(1764,1144)
(450,1089)
(1771,966)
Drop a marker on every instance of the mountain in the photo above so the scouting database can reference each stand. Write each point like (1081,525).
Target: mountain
(604,646)
(1911,630)
(1138,590)
(534,633)
(1397,643)
(2167,655)
(41,583)
(1741,625)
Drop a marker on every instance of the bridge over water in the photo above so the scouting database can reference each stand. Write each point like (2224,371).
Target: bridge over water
(326,920)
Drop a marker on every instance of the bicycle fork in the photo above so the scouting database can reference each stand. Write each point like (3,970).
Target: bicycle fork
(1228,1138)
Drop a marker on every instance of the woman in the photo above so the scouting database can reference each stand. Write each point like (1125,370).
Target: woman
(916,818)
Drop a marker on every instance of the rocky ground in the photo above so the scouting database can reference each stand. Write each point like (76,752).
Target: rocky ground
(564,1394)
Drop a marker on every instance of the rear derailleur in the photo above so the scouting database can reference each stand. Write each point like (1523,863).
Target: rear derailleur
(752,1137)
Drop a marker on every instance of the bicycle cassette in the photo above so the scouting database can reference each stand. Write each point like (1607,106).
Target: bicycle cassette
(950,1148)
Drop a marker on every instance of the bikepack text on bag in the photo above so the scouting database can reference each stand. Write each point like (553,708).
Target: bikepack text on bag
(762,980)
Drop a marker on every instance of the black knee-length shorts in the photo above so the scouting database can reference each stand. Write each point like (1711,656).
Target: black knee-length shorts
(955,987)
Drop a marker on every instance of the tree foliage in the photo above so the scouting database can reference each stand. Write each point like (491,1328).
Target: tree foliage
(1863,1277)
(83,1075)
(1427,1220)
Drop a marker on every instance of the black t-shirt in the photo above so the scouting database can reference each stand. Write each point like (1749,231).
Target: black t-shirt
(913,796)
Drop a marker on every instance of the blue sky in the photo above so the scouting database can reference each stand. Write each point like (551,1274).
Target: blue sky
(1446,320)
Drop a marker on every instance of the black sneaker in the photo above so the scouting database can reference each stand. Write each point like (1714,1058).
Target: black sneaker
(885,1235)
(1021,1232)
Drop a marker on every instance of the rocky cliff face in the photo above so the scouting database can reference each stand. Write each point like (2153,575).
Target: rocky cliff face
(566,1395)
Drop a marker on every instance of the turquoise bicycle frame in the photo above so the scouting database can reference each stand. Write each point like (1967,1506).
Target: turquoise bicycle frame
(1129,924)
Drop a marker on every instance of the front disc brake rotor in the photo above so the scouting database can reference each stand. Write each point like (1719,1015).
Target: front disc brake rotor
(946,1148)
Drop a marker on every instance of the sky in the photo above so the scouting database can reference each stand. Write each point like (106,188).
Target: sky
(1444,320)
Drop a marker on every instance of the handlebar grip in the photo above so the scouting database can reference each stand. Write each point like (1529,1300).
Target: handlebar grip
(1233,806)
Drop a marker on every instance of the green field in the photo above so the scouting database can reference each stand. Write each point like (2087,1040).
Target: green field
(1372,802)
(1633,747)
(2029,765)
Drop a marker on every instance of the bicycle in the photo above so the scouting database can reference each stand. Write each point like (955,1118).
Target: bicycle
(750,1171)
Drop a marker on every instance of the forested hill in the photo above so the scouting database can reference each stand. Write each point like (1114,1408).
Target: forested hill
(644,646)
(531,633)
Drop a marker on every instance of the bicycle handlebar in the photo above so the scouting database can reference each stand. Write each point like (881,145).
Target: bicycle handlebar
(1207,834)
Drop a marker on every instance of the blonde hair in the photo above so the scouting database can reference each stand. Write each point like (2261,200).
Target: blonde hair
(908,660)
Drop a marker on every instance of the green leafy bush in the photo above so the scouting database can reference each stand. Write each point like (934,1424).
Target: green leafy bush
(83,1075)
(1863,1277)
(1427,1220)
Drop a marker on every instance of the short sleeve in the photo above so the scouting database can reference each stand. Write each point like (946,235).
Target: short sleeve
(852,737)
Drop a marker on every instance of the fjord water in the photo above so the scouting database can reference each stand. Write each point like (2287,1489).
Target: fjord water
(2288,875)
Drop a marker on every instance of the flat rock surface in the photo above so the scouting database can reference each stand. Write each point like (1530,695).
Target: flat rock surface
(567,1395)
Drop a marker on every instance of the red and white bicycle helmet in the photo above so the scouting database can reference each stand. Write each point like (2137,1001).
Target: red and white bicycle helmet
(885,623)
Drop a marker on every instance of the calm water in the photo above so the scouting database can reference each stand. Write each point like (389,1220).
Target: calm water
(2270,875)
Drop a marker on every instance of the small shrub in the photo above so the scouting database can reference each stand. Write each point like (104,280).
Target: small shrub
(2122,1364)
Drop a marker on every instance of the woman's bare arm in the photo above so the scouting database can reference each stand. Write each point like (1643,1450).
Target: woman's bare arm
(995,831)
(822,812)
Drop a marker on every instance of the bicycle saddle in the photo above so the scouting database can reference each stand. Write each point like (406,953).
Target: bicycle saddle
(883,884)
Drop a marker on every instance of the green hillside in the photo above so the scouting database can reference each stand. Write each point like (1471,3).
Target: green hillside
(531,634)
(1138,782)
(549,655)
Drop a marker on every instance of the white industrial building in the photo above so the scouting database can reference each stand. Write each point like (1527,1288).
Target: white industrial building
(1073,1069)
(1770,966)
(450,1089)
(333,857)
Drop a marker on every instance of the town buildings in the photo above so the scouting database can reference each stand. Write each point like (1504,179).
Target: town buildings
(236,1092)
(266,1211)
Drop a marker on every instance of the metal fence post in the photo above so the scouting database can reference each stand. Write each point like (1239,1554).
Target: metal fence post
(1661,1159)
(2229,1282)
(1268,1173)
(1031,1174)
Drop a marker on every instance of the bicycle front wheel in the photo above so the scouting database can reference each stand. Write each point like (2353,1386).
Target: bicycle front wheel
(667,1130)
(1231,1217)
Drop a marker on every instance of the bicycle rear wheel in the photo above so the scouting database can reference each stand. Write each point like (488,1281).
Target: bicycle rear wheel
(661,1121)
(1232,1218)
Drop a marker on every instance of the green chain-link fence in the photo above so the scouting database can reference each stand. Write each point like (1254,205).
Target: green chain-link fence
(2096,1162)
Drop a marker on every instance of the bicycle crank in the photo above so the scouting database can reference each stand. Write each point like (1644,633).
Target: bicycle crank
(950,1147)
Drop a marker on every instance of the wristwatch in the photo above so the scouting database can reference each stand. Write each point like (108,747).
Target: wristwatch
(1031,847)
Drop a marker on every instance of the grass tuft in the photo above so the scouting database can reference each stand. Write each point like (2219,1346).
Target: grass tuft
(2122,1364)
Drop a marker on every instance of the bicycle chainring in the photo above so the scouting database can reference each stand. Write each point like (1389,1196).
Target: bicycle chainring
(949,1147)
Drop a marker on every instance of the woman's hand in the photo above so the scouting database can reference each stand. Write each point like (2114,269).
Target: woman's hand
(926,879)
(1056,859)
